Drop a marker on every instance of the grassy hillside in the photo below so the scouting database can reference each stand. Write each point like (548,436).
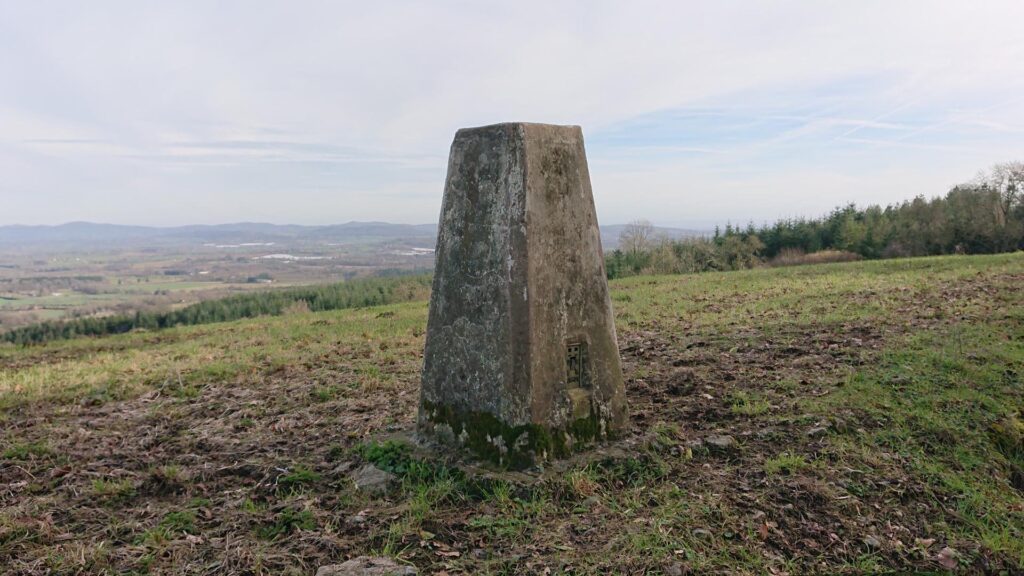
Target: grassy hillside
(874,410)
(318,298)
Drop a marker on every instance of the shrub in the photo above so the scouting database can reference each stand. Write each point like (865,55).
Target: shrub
(797,257)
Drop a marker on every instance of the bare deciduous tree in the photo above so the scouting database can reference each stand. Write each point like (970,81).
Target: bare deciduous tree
(1007,179)
(636,237)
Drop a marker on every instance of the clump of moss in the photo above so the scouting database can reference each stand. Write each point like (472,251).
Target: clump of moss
(398,459)
(1008,435)
(182,521)
(298,478)
(390,456)
(286,522)
(515,447)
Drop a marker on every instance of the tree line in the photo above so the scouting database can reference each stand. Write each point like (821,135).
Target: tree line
(985,216)
(353,294)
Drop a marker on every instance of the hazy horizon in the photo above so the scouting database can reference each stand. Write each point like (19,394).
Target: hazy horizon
(350,222)
(318,113)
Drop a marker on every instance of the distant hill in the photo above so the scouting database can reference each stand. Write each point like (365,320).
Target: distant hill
(93,236)
(88,235)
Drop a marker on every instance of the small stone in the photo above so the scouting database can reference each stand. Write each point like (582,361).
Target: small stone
(817,431)
(91,401)
(684,374)
(342,468)
(924,542)
(947,558)
(367,566)
(872,542)
(356,519)
(373,480)
(674,569)
(720,441)
(701,533)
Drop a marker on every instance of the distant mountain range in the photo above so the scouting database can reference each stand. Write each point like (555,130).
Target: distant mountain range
(88,235)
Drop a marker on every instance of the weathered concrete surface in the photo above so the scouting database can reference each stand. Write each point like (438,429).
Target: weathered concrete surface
(521,362)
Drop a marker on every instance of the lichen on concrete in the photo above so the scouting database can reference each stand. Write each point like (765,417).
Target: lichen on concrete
(514,447)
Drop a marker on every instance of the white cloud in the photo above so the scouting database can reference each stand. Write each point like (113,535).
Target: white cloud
(143,112)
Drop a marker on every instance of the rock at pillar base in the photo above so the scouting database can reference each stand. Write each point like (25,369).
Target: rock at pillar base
(521,363)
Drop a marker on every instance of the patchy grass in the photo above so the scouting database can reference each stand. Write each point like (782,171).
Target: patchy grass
(745,403)
(286,522)
(876,409)
(112,491)
(785,463)
(297,479)
(944,406)
(26,451)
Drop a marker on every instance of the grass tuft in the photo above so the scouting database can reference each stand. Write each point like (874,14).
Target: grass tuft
(785,463)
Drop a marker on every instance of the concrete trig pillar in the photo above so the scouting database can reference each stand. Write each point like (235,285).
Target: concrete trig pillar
(521,363)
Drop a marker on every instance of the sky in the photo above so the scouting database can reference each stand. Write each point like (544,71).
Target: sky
(693,113)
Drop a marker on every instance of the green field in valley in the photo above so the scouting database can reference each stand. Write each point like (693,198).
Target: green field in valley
(840,418)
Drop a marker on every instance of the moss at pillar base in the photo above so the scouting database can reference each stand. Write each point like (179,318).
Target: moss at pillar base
(514,447)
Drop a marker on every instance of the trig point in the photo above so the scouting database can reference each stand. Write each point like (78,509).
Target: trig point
(521,363)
